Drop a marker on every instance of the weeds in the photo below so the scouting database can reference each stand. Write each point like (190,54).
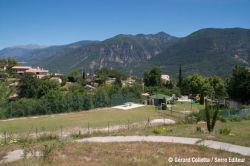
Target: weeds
(47,137)
(46,153)
(202,147)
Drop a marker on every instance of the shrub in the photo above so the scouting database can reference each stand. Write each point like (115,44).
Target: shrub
(47,137)
(225,131)
(222,119)
(159,130)
(78,135)
(234,118)
(196,117)
(212,112)
(247,117)
(47,153)
(191,119)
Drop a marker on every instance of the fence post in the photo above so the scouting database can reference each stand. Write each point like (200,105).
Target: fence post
(108,127)
(36,133)
(61,131)
(5,137)
(128,124)
(88,128)
(148,122)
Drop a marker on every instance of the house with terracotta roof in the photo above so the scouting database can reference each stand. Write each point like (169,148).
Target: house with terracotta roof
(39,72)
(20,69)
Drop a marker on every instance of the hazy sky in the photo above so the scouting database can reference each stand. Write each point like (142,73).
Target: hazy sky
(50,22)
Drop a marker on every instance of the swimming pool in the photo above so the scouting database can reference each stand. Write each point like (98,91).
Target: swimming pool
(239,112)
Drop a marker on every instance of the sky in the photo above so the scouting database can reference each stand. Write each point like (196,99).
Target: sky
(55,22)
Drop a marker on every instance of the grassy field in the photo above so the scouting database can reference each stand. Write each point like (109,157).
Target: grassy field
(140,153)
(100,118)
(186,106)
(95,118)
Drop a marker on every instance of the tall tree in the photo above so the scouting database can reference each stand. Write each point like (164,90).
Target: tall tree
(180,77)
(153,78)
(238,85)
(198,84)
(28,86)
(219,87)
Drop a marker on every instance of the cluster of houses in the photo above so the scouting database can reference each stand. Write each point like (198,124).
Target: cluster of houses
(156,99)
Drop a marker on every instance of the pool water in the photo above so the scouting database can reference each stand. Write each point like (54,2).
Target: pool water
(239,112)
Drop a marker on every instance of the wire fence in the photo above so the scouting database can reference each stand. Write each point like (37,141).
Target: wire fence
(37,133)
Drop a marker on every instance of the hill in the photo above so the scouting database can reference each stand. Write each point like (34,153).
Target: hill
(121,52)
(207,51)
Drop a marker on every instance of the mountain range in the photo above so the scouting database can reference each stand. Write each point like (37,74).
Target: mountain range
(208,51)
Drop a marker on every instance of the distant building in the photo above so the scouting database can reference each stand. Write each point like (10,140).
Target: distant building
(58,79)
(165,78)
(158,99)
(128,82)
(39,72)
(20,69)
(110,80)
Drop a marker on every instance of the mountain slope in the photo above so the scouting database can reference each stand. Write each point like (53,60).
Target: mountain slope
(18,52)
(207,51)
(122,52)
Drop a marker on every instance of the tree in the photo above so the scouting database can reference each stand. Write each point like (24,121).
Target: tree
(28,86)
(180,77)
(238,85)
(201,99)
(152,78)
(4,92)
(101,98)
(219,87)
(45,86)
(10,63)
(118,82)
(53,102)
(198,84)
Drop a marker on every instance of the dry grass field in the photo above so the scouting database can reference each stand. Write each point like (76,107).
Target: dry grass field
(138,153)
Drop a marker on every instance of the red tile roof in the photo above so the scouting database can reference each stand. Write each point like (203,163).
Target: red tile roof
(36,70)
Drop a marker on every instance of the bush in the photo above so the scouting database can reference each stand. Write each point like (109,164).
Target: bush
(191,119)
(225,131)
(222,119)
(197,116)
(247,117)
(234,118)
(47,137)
(160,130)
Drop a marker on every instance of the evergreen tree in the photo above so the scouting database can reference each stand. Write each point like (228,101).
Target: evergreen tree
(180,77)
(202,99)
